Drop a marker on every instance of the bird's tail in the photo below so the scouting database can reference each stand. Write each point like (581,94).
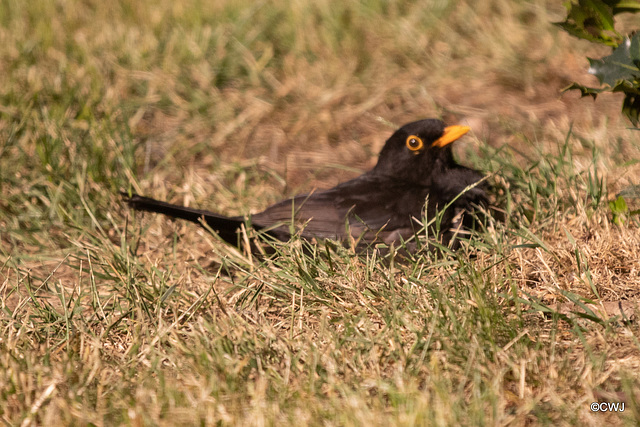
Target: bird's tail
(226,227)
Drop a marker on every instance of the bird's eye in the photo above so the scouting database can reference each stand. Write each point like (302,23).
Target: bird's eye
(414,143)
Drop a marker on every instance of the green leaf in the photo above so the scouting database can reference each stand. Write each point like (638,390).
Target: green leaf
(591,20)
(621,204)
(625,6)
(619,72)
(586,91)
(619,209)
(622,64)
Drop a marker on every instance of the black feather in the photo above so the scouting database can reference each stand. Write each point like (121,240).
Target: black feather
(383,205)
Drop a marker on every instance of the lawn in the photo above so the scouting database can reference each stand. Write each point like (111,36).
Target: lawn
(115,317)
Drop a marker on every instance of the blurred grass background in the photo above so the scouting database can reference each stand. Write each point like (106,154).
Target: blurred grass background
(114,318)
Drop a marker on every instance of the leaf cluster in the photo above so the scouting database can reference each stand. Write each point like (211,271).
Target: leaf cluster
(593,20)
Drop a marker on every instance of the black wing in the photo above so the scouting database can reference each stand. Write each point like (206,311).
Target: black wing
(372,208)
(367,208)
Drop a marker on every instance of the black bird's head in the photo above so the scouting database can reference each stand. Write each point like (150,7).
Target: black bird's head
(418,150)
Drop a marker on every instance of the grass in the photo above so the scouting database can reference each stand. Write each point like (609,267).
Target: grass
(110,317)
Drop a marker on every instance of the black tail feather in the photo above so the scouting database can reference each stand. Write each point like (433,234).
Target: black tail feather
(226,227)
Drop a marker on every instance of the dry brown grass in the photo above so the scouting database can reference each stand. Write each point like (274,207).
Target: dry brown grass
(111,318)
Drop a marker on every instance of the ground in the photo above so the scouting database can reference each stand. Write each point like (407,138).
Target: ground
(116,317)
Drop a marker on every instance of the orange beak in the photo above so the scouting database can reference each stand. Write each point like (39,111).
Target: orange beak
(451,133)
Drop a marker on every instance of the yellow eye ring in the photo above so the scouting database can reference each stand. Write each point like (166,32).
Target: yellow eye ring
(414,143)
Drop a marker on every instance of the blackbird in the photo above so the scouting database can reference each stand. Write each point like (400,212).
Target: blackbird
(415,177)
